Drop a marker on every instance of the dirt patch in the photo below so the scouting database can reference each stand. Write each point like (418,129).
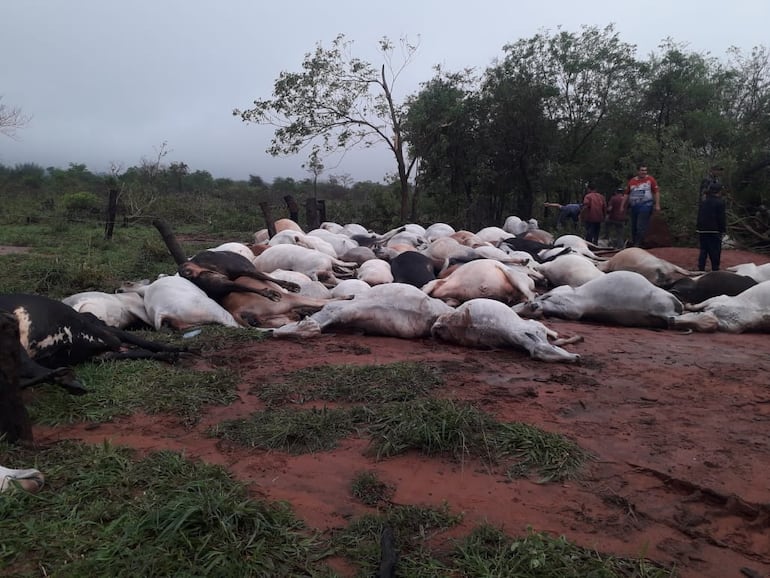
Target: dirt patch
(678,425)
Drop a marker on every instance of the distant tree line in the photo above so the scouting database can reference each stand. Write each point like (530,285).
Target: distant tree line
(556,111)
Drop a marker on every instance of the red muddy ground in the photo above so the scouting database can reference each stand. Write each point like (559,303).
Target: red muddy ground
(679,426)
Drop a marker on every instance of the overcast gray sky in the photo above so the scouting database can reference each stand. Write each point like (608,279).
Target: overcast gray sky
(108,81)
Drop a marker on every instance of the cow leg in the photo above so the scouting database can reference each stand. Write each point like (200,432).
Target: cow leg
(169,356)
(259,276)
(130,338)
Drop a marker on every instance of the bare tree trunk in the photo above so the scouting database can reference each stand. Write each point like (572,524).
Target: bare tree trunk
(269,223)
(312,214)
(293,207)
(112,210)
(15,424)
(168,237)
(322,211)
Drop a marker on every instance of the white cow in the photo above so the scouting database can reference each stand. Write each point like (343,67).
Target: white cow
(579,245)
(341,242)
(571,269)
(394,310)
(746,312)
(438,230)
(619,298)
(759,273)
(375,272)
(119,310)
(239,248)
(493,235)
(30,480)
(178,303)
(316,265)
(483,278)
(515,226)
(489,323)
(350,287)
(307,286)
(289,237)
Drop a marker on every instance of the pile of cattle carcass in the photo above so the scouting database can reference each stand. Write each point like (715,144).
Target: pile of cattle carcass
(483,289)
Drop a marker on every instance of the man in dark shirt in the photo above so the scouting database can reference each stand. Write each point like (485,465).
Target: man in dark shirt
(711,225)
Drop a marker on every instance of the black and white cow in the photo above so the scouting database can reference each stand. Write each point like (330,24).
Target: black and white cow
(53,337)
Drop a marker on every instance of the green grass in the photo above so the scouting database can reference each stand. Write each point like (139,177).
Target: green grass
(119,388)
(103,514)
(412,527)
(429,426)
(370,490)
(370,384)
(68,258)
(487,551)
(292,431)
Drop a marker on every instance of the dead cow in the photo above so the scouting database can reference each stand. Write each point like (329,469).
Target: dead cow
(53,336)
(393,309)
(747,311)
(657,271)
(252,310)
(215,272)
(483,278)
(489,323)
(708,285)
(619,298)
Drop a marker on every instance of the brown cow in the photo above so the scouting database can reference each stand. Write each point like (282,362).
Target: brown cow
(253,310)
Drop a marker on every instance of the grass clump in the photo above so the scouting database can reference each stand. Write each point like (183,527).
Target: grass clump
(369,489)
(118,388)
(551,455)
(103,514)
(369,384)
(436,426)
(410,527)
(430,426)
(488,551)
(292,431)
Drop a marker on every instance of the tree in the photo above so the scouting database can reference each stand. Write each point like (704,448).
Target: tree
(12,119)
(178,172)
(315,167)
(341,100)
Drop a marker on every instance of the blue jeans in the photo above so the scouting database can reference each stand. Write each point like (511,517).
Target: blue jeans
(640,222)
(711,247)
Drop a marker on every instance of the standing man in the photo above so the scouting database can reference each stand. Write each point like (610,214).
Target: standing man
(593,211)
(616,219)
(642,197)
(711,225)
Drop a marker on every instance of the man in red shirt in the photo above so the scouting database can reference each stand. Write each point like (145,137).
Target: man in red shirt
(616,219)
(592,214)
(642,197)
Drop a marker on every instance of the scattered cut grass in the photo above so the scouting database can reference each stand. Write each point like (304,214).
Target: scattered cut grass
(120,388)
(370,384)
(488,551)
(103,514)
(369,489)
